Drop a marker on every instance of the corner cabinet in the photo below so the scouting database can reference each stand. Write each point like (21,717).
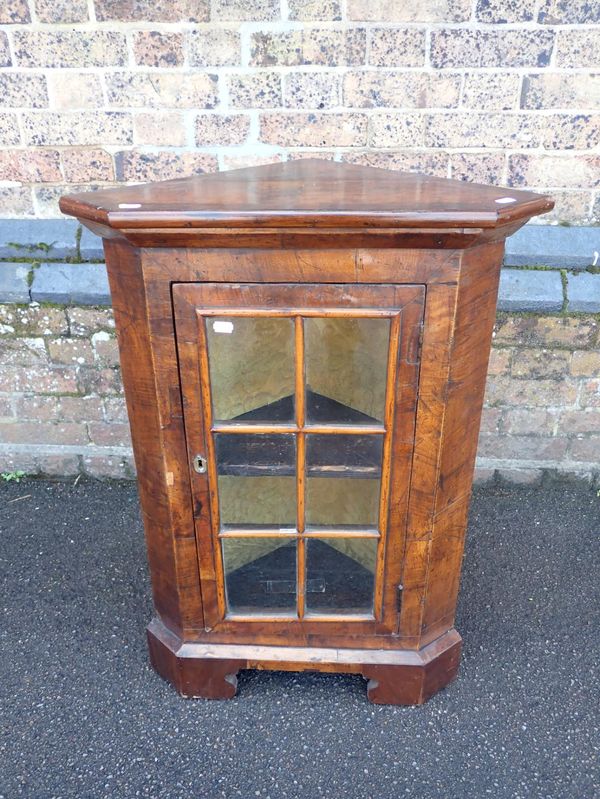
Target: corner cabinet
(304,350)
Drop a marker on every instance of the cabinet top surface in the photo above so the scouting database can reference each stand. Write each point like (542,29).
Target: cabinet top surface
(306,193)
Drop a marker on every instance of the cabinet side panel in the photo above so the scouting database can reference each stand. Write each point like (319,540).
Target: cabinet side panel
(471,342)
(163,513)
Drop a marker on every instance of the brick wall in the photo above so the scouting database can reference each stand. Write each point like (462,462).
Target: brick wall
(98,91)
(62,411)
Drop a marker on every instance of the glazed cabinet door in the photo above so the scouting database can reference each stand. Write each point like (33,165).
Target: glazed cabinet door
(299,408)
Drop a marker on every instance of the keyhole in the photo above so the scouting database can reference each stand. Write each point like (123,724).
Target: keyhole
(199,464)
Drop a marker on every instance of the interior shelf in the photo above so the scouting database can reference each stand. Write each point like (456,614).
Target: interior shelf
(274,454)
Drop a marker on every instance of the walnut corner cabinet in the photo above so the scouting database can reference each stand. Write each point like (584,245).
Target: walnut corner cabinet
(304,348)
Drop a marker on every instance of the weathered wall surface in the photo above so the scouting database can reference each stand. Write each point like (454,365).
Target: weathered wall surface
(94,92)
(62,410)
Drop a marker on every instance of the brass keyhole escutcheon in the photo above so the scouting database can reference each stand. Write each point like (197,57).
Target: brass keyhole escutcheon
(199,464)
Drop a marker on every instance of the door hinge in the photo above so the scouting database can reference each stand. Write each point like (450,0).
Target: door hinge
(421,333)
(399,589)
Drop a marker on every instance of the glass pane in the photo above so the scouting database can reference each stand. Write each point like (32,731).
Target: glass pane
(260,574)
(343,480)
(346,369)
(256,480)
(341,572)
(251,363)
(250,502)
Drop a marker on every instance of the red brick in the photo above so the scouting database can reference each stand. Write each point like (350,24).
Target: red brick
(43,433)
(158,49)
(585,449)
(70,351)
(521,447)
(109,435)
(528,421)
(115,409)
(579,421)
(30,166)
(82,166)
(41,379)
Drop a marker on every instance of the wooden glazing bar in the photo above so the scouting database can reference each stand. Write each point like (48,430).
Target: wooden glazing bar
(300,464)
(324,532)
(364,313)
(259,532)
(390,400)
(211,465)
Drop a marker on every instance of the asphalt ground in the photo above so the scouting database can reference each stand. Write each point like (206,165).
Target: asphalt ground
(83,714)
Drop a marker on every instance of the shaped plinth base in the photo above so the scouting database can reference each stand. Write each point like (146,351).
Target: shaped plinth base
(395,677)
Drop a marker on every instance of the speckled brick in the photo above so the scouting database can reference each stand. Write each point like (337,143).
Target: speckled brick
(534,363)
(50,433)
(322,46)
(380,89)
(254,90)
(528,421)
(569,12)
(87,321)
(47,197)
(586,363)
(221,129)
(9,130)
(570,204)
(504,11)
(33,320)
(585,449)
(23,352)
(215,48)
(64,48)
(69,91)
(106,348)
(492,91)
(310,90)
(397,47)
(69,351)
(5,59)
(414,11)
(478,167)
(16,201)
(571,131)
(547,331)
(115,409)
(561,90)
(307,10)
(13,12)
(491,48)
(57,408)
(165,89)
(246,10)
(61,11)
(85,127)
(505,390)
(162,165)
(152,11)
(578,48)
(41,380)
(21,90)
(482,130)
(244,159)
(81,166)
(109,435)
(586,420)
(160,128)
(397,130)
(158,49)
(314,130)
(30,166)
(430,163)
(576,171)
